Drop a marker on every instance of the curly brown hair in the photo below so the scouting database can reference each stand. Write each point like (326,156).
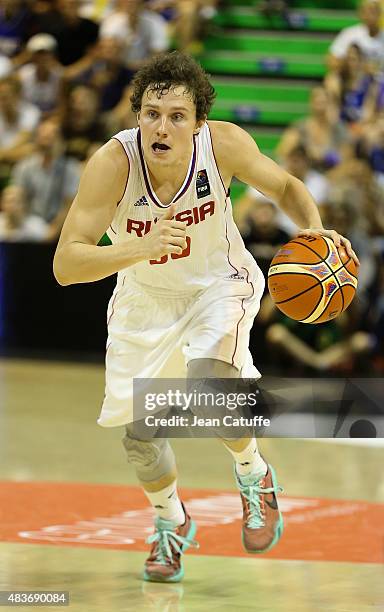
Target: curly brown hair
(165,71)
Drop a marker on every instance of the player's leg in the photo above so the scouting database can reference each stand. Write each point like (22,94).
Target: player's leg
(256,480)
(244,450)
(155,466)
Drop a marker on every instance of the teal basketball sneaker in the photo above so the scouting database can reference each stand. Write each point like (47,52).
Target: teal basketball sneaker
(164,563)
(262,519)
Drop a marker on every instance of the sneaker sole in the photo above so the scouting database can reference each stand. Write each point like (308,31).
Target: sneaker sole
(180,574)
(278,530)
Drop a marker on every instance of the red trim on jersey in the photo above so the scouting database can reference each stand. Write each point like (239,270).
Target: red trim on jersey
(237,331)
(187,180)
(126,182)
(237,272)
(241,318)
(191,174)
(226,191)
(226,235)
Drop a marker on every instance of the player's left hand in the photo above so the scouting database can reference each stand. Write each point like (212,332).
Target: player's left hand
(338,239)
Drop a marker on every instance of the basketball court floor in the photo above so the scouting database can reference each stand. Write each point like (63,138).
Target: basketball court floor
(73,519)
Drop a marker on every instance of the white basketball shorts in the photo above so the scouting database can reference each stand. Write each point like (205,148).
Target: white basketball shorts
(152,334)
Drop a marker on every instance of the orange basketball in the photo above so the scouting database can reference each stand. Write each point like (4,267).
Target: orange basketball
(310,280)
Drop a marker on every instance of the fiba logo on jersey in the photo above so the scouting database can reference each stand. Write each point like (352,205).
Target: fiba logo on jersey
(202,184)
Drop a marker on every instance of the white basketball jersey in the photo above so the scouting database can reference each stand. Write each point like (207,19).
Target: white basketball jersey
(215,249)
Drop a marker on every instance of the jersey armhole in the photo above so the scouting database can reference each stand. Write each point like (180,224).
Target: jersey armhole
(227,192)
(129,169)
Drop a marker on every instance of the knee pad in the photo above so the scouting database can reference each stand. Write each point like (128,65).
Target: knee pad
(144,454)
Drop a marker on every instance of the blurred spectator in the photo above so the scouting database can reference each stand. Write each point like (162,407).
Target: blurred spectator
(15,224)
(191,18)
(350,85)
(374,104)
(108,73)
(298,164)
(303,348)
(261,232)
(111,78)
(75,35)
(43,6)
(91,8)
(375,318)
(143,31)
(364,191)
(6,66)
(18,120)
(344,215)
(272,8)
(41,77)
(371,145)
(49,178)
(14,21)
(325,139)
(41,12)
(81,122)
(165,8)
(367,35)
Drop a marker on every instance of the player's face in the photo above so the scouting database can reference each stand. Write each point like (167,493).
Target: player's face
(297,164)
(12,200)
(370,14)
(69,8)
(110,50)
(47,134)
(319,100)
(167,124)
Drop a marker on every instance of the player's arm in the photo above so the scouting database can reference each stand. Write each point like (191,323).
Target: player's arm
(238,155)
(78,259)
(338,50)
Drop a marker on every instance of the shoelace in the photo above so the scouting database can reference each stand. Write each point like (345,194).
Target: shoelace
(254,505)
(164,539)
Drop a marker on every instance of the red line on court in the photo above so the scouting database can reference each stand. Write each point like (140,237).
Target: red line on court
(118,517)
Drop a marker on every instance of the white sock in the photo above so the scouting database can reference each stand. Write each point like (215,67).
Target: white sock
(249,460)
(167,504)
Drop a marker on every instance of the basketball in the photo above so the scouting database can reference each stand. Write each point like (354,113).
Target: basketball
(312,281)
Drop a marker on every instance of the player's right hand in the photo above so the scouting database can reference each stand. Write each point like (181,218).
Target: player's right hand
(165,237)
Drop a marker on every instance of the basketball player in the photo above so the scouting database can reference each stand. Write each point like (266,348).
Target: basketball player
(187,290)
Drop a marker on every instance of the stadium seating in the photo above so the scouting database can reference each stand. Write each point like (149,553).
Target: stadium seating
(264,69)
(250,101)
(316,20)
(333,4)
